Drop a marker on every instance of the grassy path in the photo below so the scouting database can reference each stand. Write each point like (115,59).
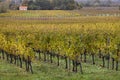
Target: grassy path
(46,71)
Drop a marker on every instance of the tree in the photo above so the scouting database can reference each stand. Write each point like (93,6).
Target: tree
(88,3)
(32,6)
(109,2)
(25,3)
(13,5)
(53,4)
(44,4)
(96,3)
(4,6)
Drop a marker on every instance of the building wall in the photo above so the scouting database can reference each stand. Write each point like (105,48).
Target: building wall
(22,8)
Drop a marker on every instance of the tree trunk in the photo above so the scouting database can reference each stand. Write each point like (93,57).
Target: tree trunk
(100,55)
(108,60)
(66,62)
(103,59)
(113,63)
(75,65)
(26,64)
(58,60)
(116,65)
(11,60)
(51,58)
(30,67)
(20,62)
(17,61)
(44,56)
(73,62)
(15,57)
(3,57)
(108,63)
(81,68)
(39,55)
(69,64)
(28,61)
(117,60)
(93,58)
(85,56)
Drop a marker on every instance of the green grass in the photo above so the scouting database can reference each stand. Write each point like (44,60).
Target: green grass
(47,71)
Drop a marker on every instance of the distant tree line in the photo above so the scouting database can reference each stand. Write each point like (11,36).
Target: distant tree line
(39,5)
(45,4)
(98,3)
(49,4)
(53,5)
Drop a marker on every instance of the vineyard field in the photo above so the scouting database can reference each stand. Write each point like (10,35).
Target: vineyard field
(60,45)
